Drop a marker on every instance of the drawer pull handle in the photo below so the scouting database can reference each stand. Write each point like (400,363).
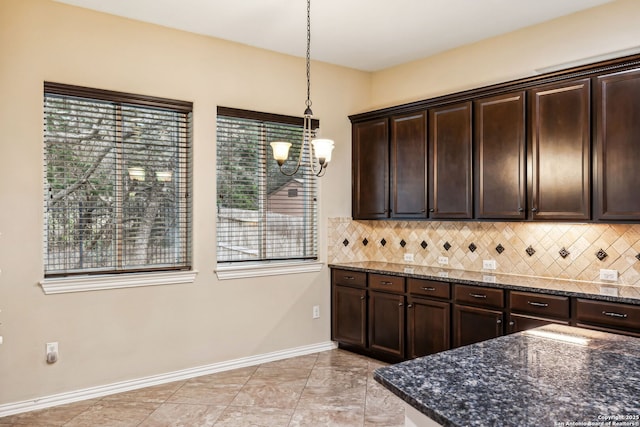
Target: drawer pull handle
(614,314)
(384,282)
(538,304)
(428,288)
(480,296)
(349,278)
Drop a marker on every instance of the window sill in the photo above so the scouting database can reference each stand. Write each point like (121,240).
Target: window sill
(235,271)
(62,285)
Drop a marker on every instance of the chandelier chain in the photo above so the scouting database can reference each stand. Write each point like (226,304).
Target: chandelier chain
(308,54)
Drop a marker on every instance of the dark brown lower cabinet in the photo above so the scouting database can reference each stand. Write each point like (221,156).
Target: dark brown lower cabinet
(386,324)
(349,317)
(608,316)
(520,322)
(472,324)
(428,329)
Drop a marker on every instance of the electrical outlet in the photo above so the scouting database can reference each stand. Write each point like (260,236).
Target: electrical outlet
(443,274)
(609,275)
(52,352)
(488,278)
(488,264)
(408,257)
(443,260)
(316,311)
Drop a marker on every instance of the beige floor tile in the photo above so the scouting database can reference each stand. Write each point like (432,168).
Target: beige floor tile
(114,414)
(183,415)
(55,416)
(155,394)
(319,417)
(269,396)
(205,394)
(265,375)
(241,416)
(304,362)
(330,398)
(338,377)
(233,377)
(333,388)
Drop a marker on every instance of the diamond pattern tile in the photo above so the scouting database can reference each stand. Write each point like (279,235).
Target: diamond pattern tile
(621,243)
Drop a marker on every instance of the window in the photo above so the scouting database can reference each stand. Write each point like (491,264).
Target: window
(262,215)
(117,182)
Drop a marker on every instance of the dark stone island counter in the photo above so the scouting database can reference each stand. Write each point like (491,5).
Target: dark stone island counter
(550,376)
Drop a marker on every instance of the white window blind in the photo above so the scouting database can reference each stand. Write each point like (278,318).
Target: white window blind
(262,214)
(117,182)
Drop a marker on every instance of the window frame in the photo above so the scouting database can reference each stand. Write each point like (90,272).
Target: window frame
(268,266)
(118,276)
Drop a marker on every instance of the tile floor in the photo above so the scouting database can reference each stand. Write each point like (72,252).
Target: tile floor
(333,388)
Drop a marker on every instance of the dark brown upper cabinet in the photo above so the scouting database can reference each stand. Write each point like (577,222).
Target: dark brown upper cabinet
(371,169)
(560,151)
(409,166)
(450,158)
(617,146)
(500,156)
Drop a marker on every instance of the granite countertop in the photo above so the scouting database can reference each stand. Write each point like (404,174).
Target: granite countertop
(596,290)
(526,379)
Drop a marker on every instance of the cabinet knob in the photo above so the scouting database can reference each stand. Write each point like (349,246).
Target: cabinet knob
(362,297)
(410,306)
(400,304)
(520,209)
(498,321)
(534,210)
(432,210)
(512,323)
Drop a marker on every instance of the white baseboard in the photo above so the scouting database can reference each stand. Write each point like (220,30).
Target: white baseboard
(119,387)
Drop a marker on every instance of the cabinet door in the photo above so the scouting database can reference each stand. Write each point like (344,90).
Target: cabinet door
(472,325)
(349,316)
(409,166)
(370,170)
(500,156)
(386,323)
(450,149)
(428,327)
(518,322)
(560,136)
(617,146)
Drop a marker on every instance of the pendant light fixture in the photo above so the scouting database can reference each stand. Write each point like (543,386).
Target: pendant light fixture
(322,148)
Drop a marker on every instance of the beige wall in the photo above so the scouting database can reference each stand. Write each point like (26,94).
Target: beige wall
(600,30)
(116,335)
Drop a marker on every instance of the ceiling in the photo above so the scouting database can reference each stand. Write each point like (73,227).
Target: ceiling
(368,35)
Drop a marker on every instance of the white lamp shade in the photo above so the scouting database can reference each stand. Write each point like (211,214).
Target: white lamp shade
(323,149)
(280,150)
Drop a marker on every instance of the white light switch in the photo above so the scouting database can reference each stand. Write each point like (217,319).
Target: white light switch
(609,275)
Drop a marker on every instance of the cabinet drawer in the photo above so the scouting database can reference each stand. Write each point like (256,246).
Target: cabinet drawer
(478,295)
(429,288)
(386,283)
(623,316)
(539,304)
(349,278)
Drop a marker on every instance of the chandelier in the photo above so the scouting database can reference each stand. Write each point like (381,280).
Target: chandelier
(322,148)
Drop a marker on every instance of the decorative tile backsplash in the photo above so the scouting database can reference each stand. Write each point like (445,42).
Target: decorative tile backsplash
(568,251)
